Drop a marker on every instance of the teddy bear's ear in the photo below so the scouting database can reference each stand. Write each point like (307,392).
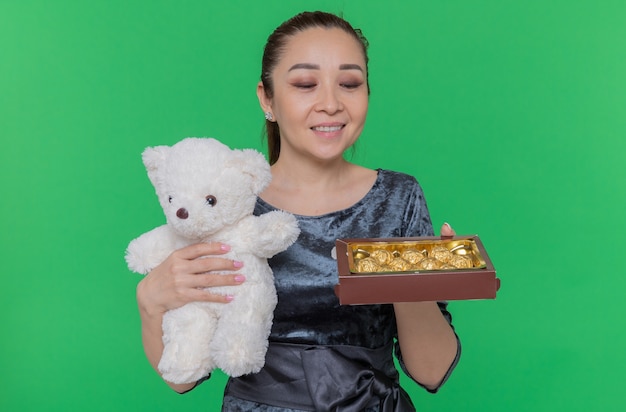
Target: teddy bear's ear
(153,158)
(253,163)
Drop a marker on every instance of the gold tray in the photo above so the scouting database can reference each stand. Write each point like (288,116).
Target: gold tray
(410,253)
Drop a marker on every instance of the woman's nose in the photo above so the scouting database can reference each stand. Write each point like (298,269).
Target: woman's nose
(329,100)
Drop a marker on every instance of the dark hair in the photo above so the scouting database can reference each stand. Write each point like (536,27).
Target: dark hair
(273,51)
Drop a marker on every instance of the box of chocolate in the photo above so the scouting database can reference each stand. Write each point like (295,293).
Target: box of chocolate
(387,270)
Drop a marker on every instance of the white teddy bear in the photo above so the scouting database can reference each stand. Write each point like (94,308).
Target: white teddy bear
(208,193)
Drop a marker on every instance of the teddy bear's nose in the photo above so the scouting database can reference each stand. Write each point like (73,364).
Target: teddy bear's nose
(182,213)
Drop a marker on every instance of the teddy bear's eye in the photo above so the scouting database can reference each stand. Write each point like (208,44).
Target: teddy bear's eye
(211,200)
(169,199)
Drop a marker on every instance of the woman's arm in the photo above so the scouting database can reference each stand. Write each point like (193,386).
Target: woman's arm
(181,279)
(427,341)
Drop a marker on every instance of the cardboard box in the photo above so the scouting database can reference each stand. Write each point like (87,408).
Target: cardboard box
(361,281)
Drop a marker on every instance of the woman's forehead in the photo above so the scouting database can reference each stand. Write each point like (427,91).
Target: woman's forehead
(320,45)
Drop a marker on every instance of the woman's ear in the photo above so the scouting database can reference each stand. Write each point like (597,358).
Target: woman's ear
(264,101)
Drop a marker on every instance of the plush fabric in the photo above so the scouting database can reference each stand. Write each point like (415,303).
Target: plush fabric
(208,193)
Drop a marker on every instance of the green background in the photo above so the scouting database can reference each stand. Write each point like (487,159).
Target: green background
(512,115)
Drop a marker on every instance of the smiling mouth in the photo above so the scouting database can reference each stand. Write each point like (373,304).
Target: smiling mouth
(327,129)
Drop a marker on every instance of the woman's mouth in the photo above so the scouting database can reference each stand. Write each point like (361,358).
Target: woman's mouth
(327,129)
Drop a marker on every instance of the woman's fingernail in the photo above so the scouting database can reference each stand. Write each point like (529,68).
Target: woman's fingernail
(237,263)
(229,298)
(240,278)
(225,248)
(447,224)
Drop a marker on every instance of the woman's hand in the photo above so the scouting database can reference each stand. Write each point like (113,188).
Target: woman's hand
(184,276)
(446,230)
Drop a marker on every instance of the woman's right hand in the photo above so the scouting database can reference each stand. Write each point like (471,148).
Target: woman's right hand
(184,276)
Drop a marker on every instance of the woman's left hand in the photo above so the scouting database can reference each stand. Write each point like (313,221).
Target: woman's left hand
(446,230)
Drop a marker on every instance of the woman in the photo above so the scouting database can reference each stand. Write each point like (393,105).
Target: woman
(322,356)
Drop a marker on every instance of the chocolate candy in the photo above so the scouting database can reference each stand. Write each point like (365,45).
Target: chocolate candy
(441,253)
(399,264)
(461,262)
(413,256)
(429,263)
(367,264)
(382,256)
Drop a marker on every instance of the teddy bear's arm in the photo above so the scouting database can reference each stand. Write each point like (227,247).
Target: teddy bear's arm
(150,249)
(270,233)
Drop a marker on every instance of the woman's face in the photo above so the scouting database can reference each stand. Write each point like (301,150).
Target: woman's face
(320,93)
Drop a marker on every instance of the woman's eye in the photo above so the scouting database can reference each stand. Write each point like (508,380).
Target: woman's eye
(351,85)
(304,85)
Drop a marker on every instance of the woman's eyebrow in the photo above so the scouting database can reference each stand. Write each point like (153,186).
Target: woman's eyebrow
(307,66)
(350,67)
(311,66)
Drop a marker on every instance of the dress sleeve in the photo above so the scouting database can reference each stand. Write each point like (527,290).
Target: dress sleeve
(416,216)
(198,382)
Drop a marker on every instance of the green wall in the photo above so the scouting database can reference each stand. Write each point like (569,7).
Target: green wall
(512,114)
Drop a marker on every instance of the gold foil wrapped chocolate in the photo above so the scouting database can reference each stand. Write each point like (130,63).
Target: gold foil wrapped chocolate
(461,261)
(441,253)
(410,257)
(429,263)
(413,256)
(382,256)
(400,265)
(367,264)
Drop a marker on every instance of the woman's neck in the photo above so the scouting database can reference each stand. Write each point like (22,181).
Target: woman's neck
(311,176)
(316,189)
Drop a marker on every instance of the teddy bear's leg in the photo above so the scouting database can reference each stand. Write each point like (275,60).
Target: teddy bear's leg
(187,332)
(241,336)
